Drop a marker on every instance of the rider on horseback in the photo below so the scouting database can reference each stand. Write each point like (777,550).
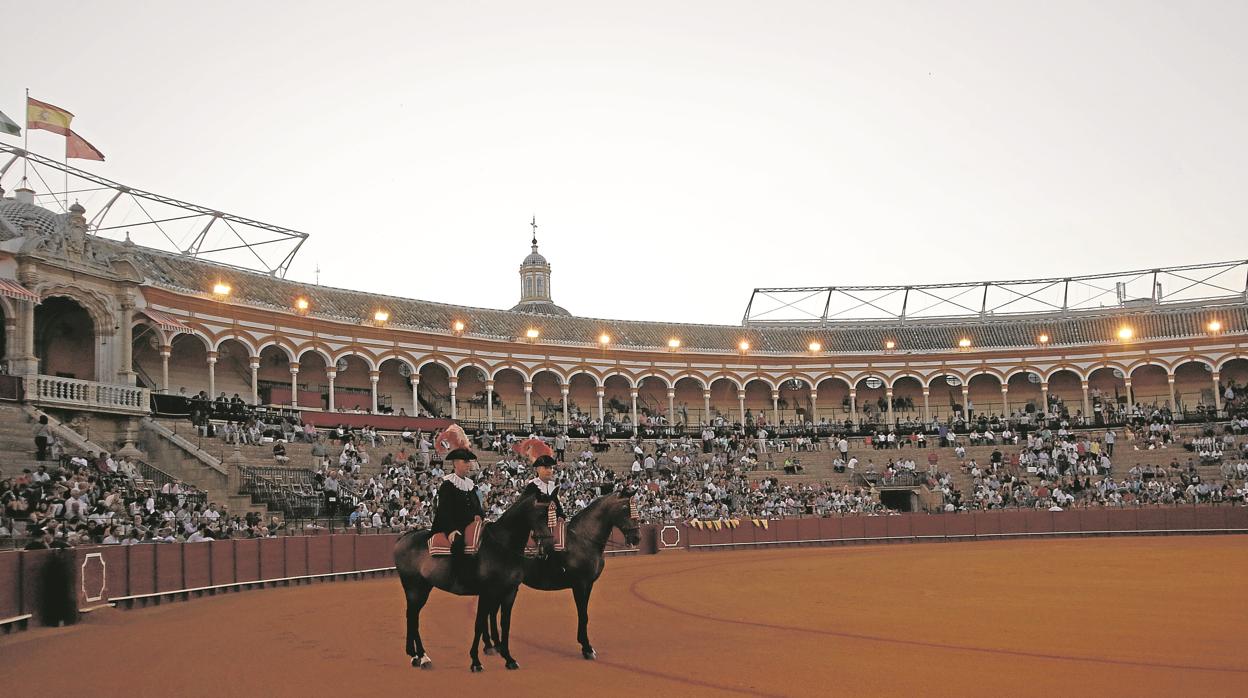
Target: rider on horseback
(459,503)
(543,487)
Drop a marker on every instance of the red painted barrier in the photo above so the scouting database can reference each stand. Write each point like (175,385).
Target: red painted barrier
(1151,519)
(246,561)
(853,527)
(197,565)
(744,533)
(32,569)
(898,526)
(1183,518)
(11,585)
(782,529)
(1237,518)
(1039,521)
(343,549)
(875,526)
(296,556)
(320,558)
(932,526)
(169,567)
(1013,522)
(272,558)
(1211,518)
(831,529)
(808,529)
(222,554)
(1066,521)
(1093,520)
(1122,520)
(958,525)
(987,523)
(141,569)
(374,551)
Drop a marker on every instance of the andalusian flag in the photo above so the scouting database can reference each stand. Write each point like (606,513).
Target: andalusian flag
(47,117)
(8,126)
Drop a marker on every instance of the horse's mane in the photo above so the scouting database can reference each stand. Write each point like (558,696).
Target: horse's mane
(592,506)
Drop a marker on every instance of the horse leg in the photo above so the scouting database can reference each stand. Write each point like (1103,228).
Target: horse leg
(479,629)
(416,598)
(509,600)
(491,638)
(580,592)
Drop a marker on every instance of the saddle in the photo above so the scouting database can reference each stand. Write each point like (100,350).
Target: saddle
(558,529)
(440,544)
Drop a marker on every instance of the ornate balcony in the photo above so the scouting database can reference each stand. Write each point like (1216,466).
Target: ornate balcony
(71,393)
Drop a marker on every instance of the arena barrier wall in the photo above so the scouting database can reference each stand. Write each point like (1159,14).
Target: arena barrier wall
(91,577)
(979,525)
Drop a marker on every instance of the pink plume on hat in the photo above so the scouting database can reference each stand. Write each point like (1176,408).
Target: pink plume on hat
(451,438)
(532,448)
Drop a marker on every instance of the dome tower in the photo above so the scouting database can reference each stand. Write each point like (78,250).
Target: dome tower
(535,283)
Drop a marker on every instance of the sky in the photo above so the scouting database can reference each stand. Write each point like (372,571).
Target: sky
(676,154)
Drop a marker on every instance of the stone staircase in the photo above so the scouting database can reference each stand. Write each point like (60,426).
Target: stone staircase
(186,460)
(17,440)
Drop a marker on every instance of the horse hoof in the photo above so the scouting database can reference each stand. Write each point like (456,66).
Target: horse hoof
(513,665)
(489,651)
(423,662)
(589,654)
(476,668)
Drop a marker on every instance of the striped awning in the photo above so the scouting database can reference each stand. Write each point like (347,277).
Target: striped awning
(165,321)
(12,289)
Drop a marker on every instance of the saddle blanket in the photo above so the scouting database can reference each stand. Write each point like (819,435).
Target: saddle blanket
(560,533)
(440,545)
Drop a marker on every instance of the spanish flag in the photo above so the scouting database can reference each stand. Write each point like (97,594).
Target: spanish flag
(47,117)
(77,147)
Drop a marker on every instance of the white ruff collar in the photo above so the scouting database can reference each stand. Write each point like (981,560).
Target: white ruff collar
(462,483)
(546,488)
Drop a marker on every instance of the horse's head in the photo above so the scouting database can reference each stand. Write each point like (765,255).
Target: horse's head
(540,517)
(626,517)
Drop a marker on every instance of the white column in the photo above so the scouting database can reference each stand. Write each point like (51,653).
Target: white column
(125,344)
(633,393)
(528,402)
(1174,399)
(1005,400)
(331,374)
(415,379)
(1044,397)
(853,405)
(966,402)
(671,406)
(602,416)
(1087,413)
(212,375)
(454,383)
(563,393)
(255,379)
(741,405)
(706,406)
(1130,394)
(489,402)
(165,352)
(927,412)
(814,406)
(888,395)
(775,408)
(373,377)
(294,384)
(1217,391)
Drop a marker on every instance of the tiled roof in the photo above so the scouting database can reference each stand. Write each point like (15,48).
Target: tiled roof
(1076,328)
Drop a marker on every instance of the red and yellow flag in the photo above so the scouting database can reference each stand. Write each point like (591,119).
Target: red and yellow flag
(47,117)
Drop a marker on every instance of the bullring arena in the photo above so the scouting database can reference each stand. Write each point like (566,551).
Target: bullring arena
(218,480)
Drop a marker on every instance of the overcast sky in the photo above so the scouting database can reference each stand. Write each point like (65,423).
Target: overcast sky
(676,154)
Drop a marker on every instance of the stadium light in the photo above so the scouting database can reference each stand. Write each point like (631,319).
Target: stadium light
(964,343)
(890,344)
(673,343)
(302,305)
(532,333)
(1043,339)
(814,347)
(457,327)
(381,317)
(221,289)
(1215,326)
(1125,332)
(743,345)
(604,339)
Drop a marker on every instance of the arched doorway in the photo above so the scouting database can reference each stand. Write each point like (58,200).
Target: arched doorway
(65,339)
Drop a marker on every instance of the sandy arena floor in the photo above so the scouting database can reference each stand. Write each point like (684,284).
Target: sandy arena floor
(1123,616)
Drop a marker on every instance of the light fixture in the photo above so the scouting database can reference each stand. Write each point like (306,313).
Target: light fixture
(220,289)
(964,343)
(604,339)
(1043,339)
(1215,326)
(890,344)
(814,347)
(532,333)
(743,345)
(381,316)
(458,326)
(301,304)
(1125,332)
(673,343)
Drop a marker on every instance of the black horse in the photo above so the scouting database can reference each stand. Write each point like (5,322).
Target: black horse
(493,575)
(579,565)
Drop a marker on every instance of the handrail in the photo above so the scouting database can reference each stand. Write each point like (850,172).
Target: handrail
(166,433)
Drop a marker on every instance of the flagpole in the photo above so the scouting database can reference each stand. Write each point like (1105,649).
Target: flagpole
(66,161)
(26,143)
